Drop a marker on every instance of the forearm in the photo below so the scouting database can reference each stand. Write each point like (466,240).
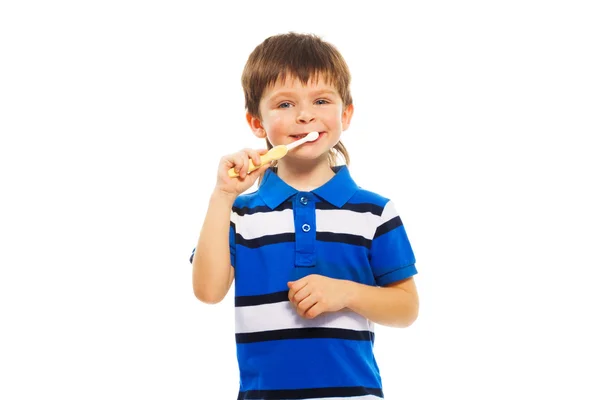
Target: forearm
(391,306)
(211,264)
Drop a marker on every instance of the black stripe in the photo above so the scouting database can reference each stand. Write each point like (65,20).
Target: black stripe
(287,205)
(264,240)
(388,226)
(277,297)
(340,391)
(356,207)
(304,333)
(344,238)
(347,238)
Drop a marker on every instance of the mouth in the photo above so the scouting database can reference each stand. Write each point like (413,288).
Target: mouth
(301,135)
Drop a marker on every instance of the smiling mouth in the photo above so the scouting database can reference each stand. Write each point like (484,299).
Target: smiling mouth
(300,136)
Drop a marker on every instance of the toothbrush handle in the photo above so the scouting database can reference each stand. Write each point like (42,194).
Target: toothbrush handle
(251,167)
(273,154)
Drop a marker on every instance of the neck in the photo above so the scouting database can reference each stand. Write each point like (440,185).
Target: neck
(305,177)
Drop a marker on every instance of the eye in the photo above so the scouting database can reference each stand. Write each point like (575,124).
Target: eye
(285,104)
(322,101)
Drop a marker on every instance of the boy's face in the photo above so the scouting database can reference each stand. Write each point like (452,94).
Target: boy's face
(290,110)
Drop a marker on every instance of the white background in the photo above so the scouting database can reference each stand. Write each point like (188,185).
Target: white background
(477,118)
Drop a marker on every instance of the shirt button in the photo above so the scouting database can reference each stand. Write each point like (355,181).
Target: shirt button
(306,227)
(303,200)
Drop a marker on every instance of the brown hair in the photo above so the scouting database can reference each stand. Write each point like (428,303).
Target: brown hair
(301,56)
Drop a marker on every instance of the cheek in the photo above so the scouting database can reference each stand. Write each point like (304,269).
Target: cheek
(333,115)
(275,122)
(333,120)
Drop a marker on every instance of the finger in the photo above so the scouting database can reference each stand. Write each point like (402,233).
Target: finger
(254,155)
(314,311)
(236,161)
(299,284)
(229,161)
(305,304)
(301,294)
(291,295)
(244,161)
(257,173)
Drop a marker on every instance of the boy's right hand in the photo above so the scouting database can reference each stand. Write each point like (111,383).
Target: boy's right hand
(239,161)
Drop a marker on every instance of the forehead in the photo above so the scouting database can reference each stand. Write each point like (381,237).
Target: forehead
(295,84)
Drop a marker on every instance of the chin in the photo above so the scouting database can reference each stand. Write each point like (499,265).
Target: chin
(311,156)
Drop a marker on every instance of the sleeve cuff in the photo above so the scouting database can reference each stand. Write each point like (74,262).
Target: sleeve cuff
(396,275)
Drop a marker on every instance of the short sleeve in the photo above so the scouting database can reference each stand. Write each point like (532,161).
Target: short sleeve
(231,241)
(391,254)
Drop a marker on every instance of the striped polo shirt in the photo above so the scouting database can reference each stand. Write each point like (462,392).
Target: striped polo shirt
(279,234)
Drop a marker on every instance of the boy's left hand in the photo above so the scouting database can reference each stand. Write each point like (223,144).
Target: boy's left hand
(317,294)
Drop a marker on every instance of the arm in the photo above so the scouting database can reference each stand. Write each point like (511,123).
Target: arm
(396,304)
(212,271)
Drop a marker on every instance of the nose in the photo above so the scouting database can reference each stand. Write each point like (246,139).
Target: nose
(305,116)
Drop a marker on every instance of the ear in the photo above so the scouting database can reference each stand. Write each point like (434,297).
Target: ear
(256,126)
(347,116)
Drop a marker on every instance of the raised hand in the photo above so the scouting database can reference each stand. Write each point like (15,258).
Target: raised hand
(240,162)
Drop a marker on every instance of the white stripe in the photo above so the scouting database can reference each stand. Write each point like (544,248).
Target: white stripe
(346,221)
(270,317)
(389,212)
(252,226)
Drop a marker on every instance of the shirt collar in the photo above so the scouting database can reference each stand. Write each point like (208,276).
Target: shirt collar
(337,191)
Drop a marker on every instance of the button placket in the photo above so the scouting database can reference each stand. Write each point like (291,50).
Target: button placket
(305,227)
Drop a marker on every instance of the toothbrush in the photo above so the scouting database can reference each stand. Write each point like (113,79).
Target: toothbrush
(276,153)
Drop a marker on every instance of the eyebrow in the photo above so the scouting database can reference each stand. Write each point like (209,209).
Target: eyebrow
(285,93)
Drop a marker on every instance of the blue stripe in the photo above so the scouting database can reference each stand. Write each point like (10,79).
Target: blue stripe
(344,261)
(314,363)
(356,207)
(265,269)
(391,251)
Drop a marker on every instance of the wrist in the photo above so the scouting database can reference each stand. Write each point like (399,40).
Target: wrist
(222,196)
(350,289)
